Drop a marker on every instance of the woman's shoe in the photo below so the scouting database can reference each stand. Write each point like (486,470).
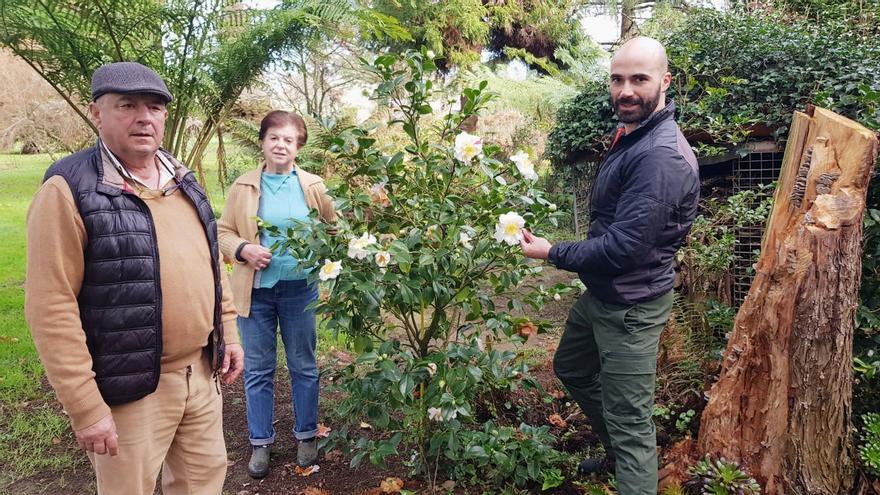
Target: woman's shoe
(306,453)
(258,467)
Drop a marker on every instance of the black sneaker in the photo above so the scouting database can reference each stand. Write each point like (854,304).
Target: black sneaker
(602,465)
(258,467)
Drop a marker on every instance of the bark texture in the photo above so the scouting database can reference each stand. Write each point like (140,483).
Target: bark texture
(782,405)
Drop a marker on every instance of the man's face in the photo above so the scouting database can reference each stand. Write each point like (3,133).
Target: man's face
(131,125)
(637,88)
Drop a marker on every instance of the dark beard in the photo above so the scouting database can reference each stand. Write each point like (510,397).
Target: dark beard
(643,111)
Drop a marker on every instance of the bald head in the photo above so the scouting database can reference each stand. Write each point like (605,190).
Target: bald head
(639,78)
(647,52)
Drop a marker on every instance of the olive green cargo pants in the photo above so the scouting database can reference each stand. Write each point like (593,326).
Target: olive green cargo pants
(607,359)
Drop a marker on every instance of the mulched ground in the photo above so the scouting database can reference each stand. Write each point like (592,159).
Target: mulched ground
(335,477)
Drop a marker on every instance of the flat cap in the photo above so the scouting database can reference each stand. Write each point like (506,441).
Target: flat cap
(128,78)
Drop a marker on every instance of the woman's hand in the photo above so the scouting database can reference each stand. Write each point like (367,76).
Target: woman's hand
(256,256)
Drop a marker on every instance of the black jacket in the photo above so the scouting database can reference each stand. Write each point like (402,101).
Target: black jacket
(120,301)
(643,204)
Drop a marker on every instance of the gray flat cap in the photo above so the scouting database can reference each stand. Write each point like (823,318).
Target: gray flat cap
(128,78)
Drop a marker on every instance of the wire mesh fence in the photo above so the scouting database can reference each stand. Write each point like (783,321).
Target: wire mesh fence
(750,172)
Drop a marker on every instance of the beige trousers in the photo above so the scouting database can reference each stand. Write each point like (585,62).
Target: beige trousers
(179,429)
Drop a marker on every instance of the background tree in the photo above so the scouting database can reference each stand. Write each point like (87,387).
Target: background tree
(542,33)
(205,66)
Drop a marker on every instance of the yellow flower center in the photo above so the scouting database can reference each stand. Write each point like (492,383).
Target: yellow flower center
(511,229)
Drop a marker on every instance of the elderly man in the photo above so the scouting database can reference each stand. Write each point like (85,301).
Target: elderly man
(126,299)
(644,201)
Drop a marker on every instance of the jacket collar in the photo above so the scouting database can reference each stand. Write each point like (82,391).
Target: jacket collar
(252,178)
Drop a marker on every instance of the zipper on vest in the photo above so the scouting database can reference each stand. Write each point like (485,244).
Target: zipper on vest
(157,367)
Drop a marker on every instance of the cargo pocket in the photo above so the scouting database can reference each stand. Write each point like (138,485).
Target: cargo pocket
(628,384)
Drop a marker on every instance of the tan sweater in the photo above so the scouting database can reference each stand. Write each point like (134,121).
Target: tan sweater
(237,225)
(56,241)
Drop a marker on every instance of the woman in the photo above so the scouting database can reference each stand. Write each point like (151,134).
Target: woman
(270,288)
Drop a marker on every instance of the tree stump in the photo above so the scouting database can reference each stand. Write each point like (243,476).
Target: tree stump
(782,404)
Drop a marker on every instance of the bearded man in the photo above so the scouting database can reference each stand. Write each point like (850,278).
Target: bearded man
(643,204)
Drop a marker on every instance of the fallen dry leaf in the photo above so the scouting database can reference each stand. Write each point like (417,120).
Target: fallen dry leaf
(366,426)
(56,440)
(307,471)
(557,421)
(557,394)
(391,485)
(323,431)
(334,455)
(448,485)
(526,329)
(342,358)
(311,490)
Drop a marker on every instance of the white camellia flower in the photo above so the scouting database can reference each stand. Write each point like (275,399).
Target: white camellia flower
(330,270)
(432,369)
(552,207)
(509,228)
(357,247)
(435,414)
(557,297)
(465,240)
(525,167)
(468,146)
(383,258)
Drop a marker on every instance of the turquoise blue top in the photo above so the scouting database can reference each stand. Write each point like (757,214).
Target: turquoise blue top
(281,202)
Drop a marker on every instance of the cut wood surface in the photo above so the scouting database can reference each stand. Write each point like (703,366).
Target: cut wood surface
(782,404)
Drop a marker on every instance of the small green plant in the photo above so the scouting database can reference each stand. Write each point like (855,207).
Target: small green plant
(720,477)
(666,415)
(869,450)
(683,423)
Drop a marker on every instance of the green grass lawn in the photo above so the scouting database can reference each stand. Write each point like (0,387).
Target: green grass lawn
(29,424)
(19,368)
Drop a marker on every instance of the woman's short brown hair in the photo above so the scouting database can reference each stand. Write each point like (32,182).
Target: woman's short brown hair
(280,118)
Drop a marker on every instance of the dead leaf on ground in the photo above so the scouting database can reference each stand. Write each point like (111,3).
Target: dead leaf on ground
(557,421)
(307,471)
(391,485)
(526,329)
(56,440)
(366,426)
(323,431)
(311,490)
(557,394)
(333,456)
(342,358)
(448,485)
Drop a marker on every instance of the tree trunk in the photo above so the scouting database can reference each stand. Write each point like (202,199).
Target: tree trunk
(782,405)
(627,19)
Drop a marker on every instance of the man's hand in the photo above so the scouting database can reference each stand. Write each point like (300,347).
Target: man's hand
(256,256)
(534,247)
(233,363)
(99,438)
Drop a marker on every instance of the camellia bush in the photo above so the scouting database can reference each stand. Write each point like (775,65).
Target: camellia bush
(412,272)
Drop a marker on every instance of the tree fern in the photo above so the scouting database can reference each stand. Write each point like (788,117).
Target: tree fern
(205,67)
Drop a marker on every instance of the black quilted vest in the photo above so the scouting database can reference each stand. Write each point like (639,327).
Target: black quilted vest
(120,301)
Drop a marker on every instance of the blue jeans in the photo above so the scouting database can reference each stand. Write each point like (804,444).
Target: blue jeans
(284,307)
